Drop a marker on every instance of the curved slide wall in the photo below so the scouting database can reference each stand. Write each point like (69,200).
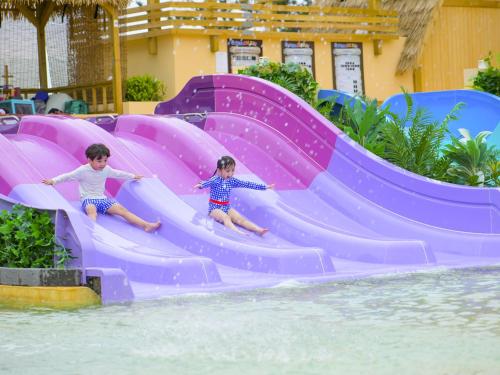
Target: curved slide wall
(50,146)
(368,189)
(189,146)
(110,249)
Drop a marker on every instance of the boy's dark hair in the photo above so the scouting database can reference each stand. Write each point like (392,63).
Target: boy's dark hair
(54,111)
(225,162)
(97,151)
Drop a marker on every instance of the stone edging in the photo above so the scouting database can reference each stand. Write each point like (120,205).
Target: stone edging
(40,276)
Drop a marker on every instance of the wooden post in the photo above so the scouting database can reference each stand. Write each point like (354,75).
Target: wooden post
(6,76)
(39,19)
(117,66)
(42,56)
(153,41)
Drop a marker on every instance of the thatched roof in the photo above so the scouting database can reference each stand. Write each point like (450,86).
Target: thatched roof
(415,19)
(115,3)
(9,9)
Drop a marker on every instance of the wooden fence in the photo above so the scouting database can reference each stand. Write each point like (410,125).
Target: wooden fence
(99,96)
(259,19)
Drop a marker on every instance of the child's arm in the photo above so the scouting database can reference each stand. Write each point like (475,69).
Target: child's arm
(206,183)
(235,183)
(73,175)
(116,173)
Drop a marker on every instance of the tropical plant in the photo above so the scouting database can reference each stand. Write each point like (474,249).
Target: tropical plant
(325,107)
(291,76)
(362,120)
(472,161)
(414,142)
(489,79)
(144,88)
(27,240)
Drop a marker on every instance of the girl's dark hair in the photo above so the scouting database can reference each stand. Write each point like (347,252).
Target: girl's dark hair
(224,162)
(97,151)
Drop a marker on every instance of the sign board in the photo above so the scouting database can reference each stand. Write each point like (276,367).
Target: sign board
(301,53)
(243,53)
(348,67)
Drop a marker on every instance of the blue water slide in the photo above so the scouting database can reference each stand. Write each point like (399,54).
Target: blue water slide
(481,111)
(341,98)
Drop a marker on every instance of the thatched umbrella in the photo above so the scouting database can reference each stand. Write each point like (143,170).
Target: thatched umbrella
(38,12)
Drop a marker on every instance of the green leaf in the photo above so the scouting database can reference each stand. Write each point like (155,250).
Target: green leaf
(27,239)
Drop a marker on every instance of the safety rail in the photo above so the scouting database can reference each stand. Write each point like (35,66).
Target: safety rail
(259,19)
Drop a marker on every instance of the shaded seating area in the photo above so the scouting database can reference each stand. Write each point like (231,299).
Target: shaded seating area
(75,51)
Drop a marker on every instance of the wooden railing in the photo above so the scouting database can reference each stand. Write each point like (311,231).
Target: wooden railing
(259,19)
(99,97)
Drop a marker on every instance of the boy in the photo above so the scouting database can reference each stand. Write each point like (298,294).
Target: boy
(91,178)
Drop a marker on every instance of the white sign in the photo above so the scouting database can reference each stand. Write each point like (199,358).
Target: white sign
(348,70)
(221,62)
(301,56)
(242,57)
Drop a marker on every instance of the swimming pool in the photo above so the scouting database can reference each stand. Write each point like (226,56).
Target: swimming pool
(438,322)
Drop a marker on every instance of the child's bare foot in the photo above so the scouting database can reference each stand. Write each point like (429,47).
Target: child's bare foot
(262,231)
(151,227)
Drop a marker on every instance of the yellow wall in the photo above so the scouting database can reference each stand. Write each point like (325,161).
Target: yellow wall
(458,39)
(323,64)
(380,76)
(271,48)
(181,57)
(161,65)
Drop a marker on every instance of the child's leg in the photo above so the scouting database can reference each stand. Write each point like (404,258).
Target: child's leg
(118,209)
(91,211)
(237,218)
(224,218)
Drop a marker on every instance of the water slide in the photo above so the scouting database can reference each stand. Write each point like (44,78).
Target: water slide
(337,210)
(110,249)
(188,253)
(323,175)
(481,110)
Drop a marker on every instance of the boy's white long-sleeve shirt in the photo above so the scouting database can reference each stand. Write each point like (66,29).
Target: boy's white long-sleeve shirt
(91,181)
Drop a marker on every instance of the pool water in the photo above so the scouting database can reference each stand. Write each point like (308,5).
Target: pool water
(440,322)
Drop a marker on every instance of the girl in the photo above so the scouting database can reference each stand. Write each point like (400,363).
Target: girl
(219,206)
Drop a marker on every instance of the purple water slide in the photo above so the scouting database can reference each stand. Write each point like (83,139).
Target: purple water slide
(111,249)
(190,147)
(182,225)
(324,174)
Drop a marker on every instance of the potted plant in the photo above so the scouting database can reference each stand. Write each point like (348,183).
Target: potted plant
(142,94)
(488,78)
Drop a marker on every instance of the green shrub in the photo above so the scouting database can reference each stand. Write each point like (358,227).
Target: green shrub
(27,240)
(472,161)
(143,89)
(418,148)
(488,80)
(362,120)
(291,76)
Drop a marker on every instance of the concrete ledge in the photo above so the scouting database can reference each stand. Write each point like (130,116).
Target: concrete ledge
(40,276)
(52,297)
